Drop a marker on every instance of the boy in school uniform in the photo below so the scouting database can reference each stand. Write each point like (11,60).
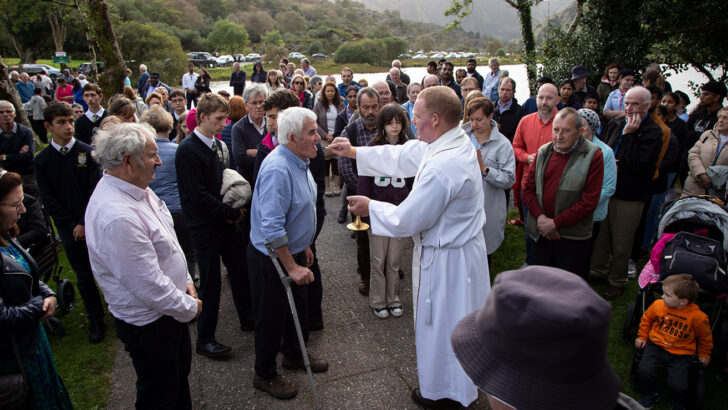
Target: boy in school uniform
(87,123)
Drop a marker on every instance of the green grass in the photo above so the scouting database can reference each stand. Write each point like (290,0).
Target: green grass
(16,61)
(84,367)
(511,255)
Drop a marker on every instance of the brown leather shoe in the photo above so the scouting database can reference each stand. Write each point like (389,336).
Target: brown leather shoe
(433,404)
(613,292)
(364,287)
(317,365)
(276,387)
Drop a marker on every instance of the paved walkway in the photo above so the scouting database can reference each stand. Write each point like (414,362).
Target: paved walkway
(372,362)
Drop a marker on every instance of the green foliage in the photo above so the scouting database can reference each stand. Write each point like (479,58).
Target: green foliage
(275,53)
(380,51)
(153,47)
(315,47)
(273,38)
(228,37)
(214,9)
(256,22)
(501,53)
(290,22)
(493,47)
(361,51)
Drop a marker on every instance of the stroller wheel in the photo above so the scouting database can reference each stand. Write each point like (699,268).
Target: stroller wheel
(54,327)
(629,322)
(66,296)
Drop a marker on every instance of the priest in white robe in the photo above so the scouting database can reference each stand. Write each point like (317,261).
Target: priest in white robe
(444,215)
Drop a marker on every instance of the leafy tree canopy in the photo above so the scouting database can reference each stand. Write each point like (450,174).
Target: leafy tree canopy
(228,37)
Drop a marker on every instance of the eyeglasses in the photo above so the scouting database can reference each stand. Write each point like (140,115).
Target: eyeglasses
(298,83)
(17,205)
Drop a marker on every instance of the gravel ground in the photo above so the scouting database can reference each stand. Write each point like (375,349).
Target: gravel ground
(372,361)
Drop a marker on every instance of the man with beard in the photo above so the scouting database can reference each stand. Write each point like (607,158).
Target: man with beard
(152,85)
(471,72)
(359,132)
(447,80)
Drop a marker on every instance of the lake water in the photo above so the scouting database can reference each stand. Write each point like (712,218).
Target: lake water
(517,72)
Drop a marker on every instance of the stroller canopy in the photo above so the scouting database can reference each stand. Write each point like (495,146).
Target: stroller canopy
(696,209)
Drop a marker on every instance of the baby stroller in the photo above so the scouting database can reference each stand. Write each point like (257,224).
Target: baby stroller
(692,237)
(44,249)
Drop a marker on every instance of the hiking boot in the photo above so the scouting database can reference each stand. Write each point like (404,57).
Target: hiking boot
(317,365)
(649,400)
(613,292)
(276,387)
(631,269)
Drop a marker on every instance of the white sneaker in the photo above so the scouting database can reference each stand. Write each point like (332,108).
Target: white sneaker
(396,311)
(382,313)
(631,269)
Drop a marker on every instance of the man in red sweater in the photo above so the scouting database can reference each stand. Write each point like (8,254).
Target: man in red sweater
(533,131)
(561,192)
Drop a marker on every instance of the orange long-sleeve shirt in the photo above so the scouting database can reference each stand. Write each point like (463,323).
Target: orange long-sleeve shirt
(531,134)
(678,331)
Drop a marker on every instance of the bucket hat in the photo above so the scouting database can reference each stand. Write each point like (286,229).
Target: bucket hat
(579,71)
(540,342)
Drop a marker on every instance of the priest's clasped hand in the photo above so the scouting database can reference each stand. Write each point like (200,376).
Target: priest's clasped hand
(358,205)
(342,148)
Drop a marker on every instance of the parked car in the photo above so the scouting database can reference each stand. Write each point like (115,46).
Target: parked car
(225,60)
(319,55)
(296,55)
(239,57)
(252,57)
(404,56)
(87,68)
(420,57)
(202,59)
(33,69)
(451,56)
(438,55)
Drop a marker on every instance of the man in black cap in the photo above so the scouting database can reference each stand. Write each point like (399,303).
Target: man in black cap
(704,117)
(579,75)
(562,364)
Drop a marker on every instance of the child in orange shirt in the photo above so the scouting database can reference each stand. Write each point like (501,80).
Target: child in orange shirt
(676,329)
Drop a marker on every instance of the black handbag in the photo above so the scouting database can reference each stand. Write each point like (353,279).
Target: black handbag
(701,257)
(14,388)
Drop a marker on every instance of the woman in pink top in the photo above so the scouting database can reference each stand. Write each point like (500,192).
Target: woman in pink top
(64,92)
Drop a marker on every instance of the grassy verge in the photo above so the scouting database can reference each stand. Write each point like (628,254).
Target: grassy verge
(84,367)
(511,255)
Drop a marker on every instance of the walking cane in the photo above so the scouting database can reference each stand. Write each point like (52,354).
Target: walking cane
(287,284)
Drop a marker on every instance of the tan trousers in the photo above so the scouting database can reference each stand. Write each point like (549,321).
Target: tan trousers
(385,254)
(616,235)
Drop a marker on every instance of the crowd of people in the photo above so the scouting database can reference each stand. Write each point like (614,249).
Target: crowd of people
(183,178)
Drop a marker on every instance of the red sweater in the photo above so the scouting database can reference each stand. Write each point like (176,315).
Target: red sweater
(554,169)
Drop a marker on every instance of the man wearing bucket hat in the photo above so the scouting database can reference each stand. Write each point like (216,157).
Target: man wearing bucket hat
(580,75)
(561,364)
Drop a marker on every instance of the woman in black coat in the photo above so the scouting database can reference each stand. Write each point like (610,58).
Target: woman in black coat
(24,302)
(259,75)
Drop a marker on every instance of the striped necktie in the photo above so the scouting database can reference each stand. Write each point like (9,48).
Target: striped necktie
(95,117)
(216,150)
(64,150)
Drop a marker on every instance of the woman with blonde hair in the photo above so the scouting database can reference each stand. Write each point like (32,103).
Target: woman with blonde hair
(138,101)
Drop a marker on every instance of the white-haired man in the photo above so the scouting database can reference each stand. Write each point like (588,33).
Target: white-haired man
(283,218)
(398,64)
(141,267)
(143,78)
(490,85)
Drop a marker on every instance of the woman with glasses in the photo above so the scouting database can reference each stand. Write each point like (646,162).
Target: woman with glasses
(298,86)
(24,302)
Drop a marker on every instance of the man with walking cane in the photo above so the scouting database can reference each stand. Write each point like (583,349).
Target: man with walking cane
(283,218)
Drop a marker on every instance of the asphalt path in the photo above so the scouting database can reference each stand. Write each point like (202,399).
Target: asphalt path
(372,362)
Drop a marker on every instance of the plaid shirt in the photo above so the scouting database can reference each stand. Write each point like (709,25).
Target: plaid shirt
(347,166)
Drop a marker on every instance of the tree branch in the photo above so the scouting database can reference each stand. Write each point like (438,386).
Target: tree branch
(577,17)
(63,3)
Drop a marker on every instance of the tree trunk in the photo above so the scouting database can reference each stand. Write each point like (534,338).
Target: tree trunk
(58,28)
(19,50)
(8,93)
(529,45)
(577,17)
(112,80)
